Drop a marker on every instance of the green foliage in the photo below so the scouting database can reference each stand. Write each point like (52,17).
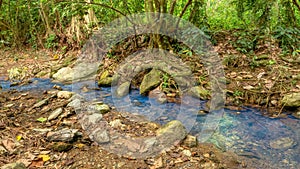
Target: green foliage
(54,24)
(245,42)
(289,38)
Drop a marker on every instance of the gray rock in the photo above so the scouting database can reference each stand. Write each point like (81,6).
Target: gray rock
(64,94)
(150,81)
(64,135)
(172,132)
(14,166)
(123,89)
(40,103)
(94,118)
(199,92)
(100,136)
(55,114)
(291,100)
(282,143)
(80,71)
(64,74)
(76,103)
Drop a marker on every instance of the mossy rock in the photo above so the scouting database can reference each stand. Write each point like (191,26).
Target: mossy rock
(150,81)
(291,100)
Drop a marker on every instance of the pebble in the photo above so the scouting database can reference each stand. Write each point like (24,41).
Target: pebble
(64,135)
(64,94)
(55,114)
(190,141)
(187,153)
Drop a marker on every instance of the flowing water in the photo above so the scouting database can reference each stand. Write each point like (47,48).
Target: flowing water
(267,143)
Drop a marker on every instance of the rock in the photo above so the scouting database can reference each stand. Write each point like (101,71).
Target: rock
(94,118)
(150,81)
(76,103)
(64,74)
(64,94)
(100,136)
(14,166)
(282,143)
(55,114)
(60,146)
(123,89)
(40,103)
(190,141)
(80,71)
(199,92)
(187,153)
(102,108)
(296,115)
(64,135)
(159,95)
(291,100)
(116,123)
(106,82)
(0,87)
(172,132)
(104,74)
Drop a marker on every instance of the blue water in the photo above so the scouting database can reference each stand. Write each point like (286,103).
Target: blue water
(248,133)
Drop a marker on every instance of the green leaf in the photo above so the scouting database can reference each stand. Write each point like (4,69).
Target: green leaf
(42,119)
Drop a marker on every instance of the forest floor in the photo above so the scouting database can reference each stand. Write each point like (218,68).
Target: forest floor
(259,82)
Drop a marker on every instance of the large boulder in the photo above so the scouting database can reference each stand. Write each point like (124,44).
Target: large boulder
(291,100)
(150,81)
(79,72)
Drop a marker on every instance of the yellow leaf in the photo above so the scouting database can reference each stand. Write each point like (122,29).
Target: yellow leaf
(56,56)
(19,138)
(79,145)
(44,157)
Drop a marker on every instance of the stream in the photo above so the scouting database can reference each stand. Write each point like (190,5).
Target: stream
(266,142)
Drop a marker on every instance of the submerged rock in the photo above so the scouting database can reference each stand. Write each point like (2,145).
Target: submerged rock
(282,143)
(159,95)
(123,89)
(291,100)
(150,81)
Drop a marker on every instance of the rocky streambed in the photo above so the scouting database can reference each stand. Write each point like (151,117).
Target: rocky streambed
(83,118)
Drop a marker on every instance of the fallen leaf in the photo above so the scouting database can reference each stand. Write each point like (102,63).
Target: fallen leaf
(41,119)
(248,87)
(18,137)
(44,157)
